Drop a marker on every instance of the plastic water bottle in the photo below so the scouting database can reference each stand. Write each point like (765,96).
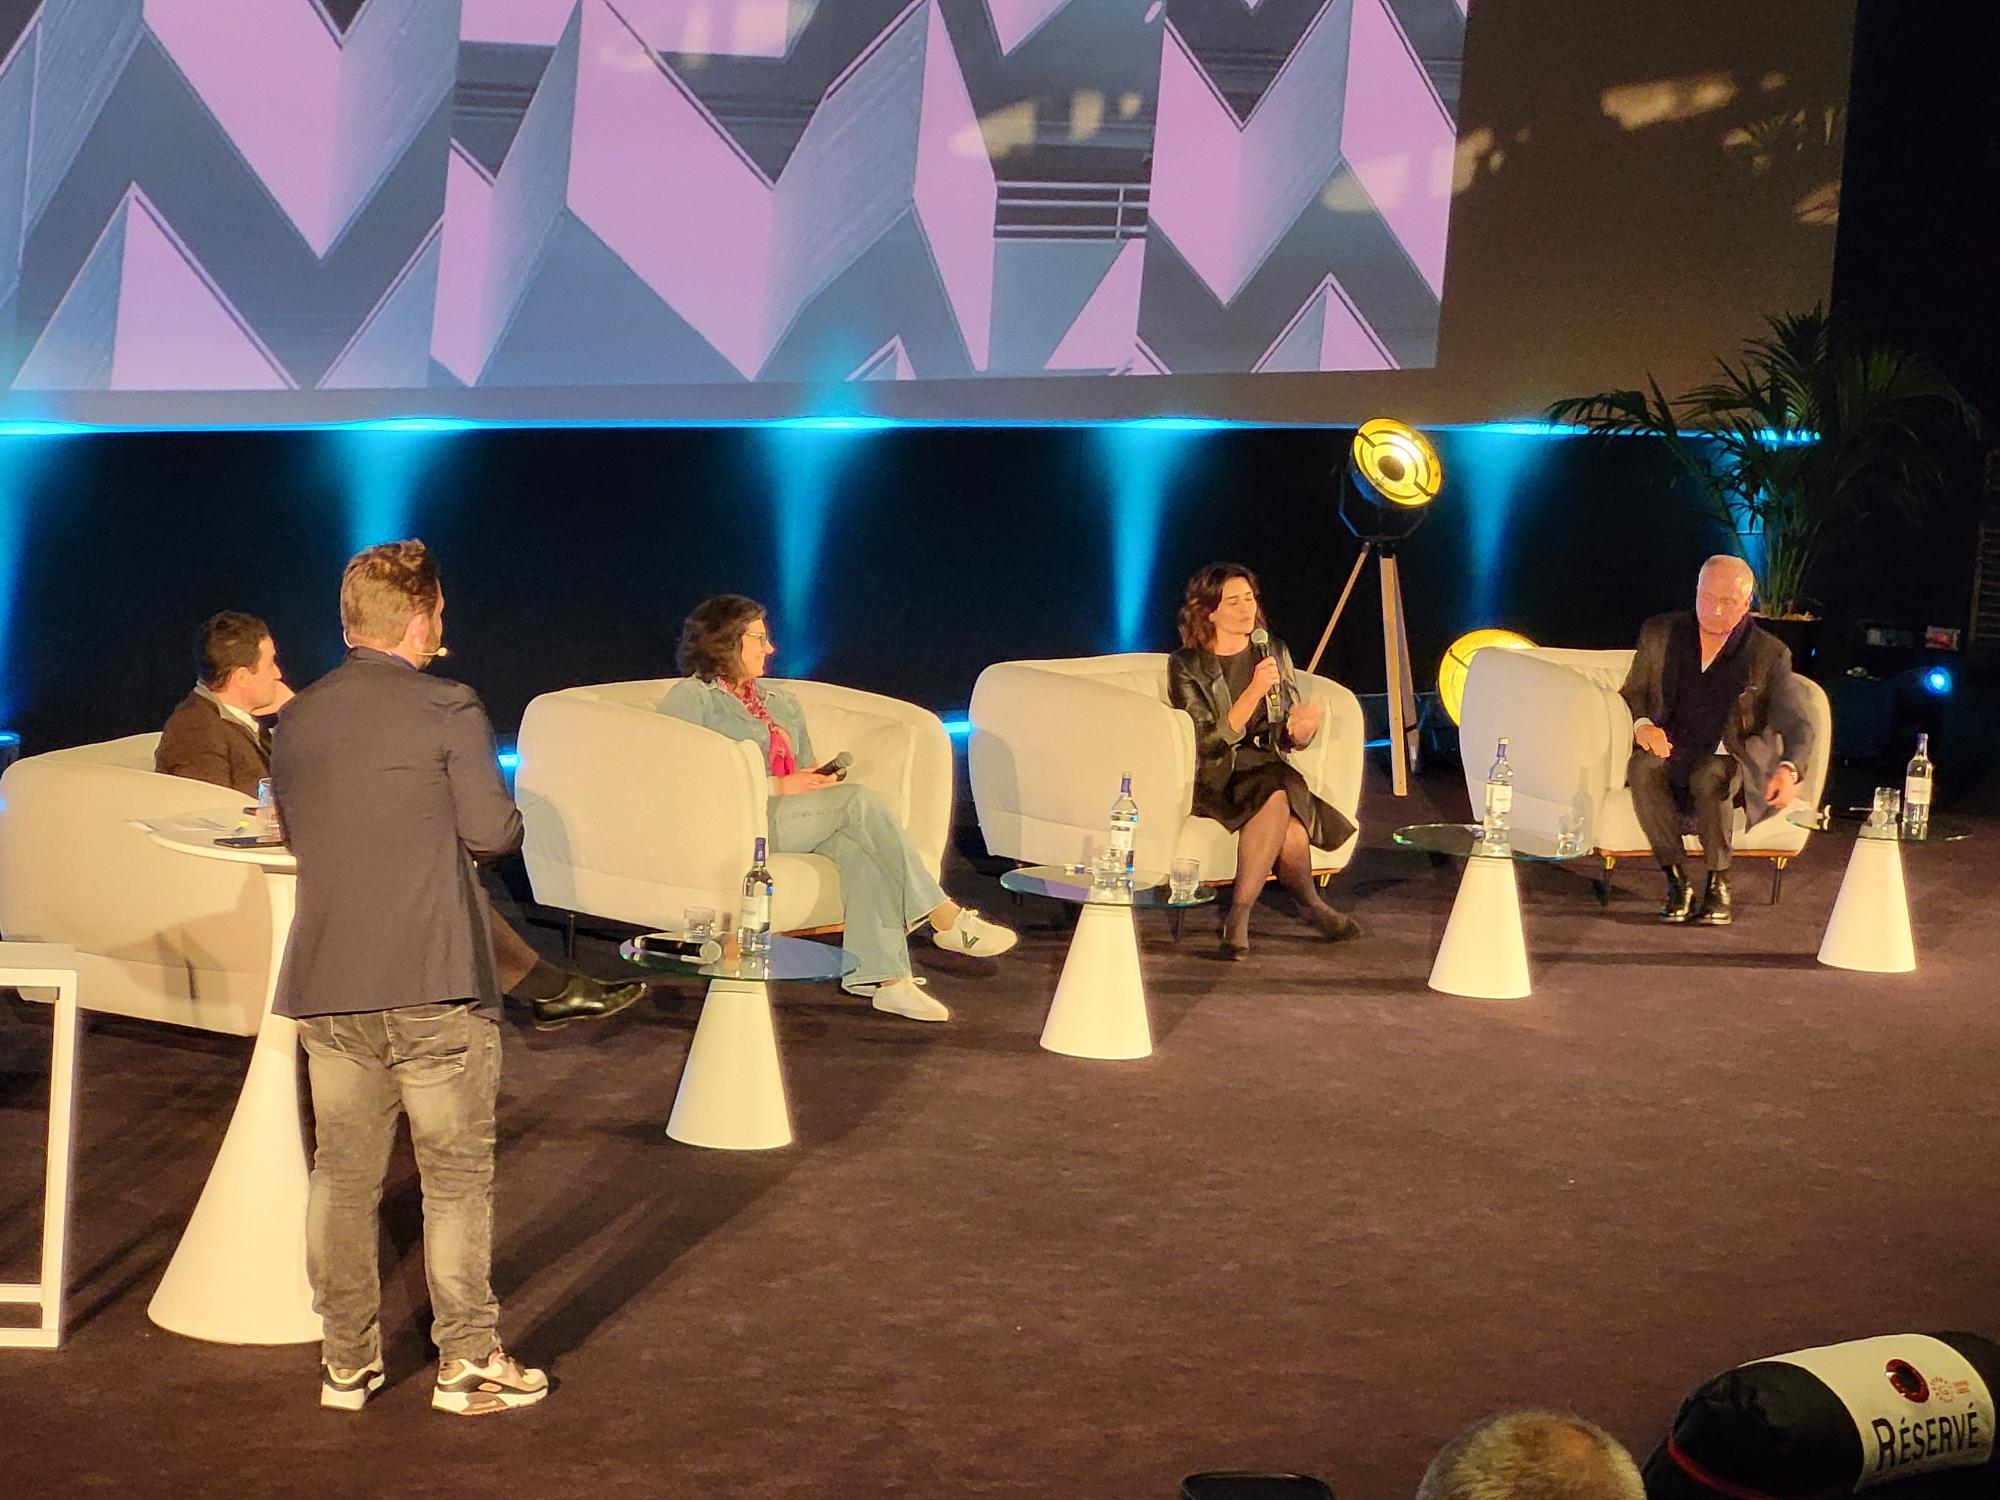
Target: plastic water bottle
(1499,797)
(1124,826)
(1917,791)
(267,810)
(753,922)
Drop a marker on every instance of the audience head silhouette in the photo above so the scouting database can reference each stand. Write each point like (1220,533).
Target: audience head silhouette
(1534,1455)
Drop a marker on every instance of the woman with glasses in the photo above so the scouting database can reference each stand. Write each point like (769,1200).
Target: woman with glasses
(725,647)
(1241,777)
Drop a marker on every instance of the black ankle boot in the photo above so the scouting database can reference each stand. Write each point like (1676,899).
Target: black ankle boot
(1716,910)
(1680,898)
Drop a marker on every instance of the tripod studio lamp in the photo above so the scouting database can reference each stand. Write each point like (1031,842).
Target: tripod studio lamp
(1391,476)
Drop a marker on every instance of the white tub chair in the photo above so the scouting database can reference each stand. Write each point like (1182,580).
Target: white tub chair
(635,816)
(1569,734)
(1050,740)
(158,936)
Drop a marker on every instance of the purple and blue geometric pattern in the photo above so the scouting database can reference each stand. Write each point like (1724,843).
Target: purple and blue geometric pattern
(251,195)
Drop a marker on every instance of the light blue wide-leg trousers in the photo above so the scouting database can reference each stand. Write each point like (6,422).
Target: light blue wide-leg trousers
(884,886)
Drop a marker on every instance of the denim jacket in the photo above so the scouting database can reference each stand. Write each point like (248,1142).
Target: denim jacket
(713,706)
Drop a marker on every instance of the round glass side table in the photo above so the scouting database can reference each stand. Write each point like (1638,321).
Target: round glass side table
(1099,1009)
(732,1090)
(1484,955)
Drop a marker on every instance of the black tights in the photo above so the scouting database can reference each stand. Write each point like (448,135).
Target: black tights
(1273,839)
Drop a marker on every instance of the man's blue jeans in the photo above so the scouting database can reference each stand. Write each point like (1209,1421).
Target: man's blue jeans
(440,1065)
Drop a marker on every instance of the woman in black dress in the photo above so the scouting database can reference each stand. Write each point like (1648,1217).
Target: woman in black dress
(1241,777)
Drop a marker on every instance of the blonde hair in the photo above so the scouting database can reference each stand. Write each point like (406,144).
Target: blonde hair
(383,586)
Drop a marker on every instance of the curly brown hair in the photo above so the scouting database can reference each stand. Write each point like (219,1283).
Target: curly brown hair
(712,637)
(1204,598)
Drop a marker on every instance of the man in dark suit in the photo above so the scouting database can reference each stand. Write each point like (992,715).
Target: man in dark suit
(389,791)
(221,732)
(1714,708)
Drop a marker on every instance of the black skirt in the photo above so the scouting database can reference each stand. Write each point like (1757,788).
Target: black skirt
(1256,774)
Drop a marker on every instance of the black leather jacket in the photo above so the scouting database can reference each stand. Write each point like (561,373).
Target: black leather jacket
(1197,687)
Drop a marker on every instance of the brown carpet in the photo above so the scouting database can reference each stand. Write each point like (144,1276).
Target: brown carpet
(1332,1219)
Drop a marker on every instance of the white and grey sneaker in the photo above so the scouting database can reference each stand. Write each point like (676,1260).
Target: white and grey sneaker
(972,934)
(905,997)
(499,1383)
(349,1390)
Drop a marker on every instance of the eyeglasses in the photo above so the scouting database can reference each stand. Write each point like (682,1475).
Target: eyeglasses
(756,635)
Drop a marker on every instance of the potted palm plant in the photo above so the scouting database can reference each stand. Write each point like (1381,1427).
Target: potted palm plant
(1815,427)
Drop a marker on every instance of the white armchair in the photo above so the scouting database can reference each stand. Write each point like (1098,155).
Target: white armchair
(1050,740)
(1569,734)
(158,935)
(635,816)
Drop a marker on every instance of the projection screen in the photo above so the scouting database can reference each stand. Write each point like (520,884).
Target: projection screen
(216,212)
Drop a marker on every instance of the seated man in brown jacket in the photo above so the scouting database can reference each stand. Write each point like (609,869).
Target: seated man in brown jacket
(221,733)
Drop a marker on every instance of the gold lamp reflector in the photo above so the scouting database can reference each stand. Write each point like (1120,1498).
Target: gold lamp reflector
(1458,661)
(1397,463)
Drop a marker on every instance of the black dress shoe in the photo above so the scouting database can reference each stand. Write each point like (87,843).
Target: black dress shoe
(583,999)
(1716,910)
(1680,898)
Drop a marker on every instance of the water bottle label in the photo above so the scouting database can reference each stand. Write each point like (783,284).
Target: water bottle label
(1917,791)
(757,912)
(1499,799)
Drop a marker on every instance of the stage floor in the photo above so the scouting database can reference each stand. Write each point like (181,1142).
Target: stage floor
(1334,1217)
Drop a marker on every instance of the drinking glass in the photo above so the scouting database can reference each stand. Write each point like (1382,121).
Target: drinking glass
(1569,834)
(1183,879)
(698,922)
(1107,869)
(1888,810)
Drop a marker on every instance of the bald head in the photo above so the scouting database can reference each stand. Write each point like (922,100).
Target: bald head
(1722,593)
(1534,1455)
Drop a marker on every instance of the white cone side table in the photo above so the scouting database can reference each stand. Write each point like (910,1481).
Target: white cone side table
(732,1089)
(1099,1007)
(239,1273)
(1484,952)
(1869,929)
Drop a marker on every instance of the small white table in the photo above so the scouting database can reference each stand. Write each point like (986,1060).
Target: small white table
(1869,929)
(1484,954)
(48,966)
(1099,1009)
(239,1275)
(732,1091)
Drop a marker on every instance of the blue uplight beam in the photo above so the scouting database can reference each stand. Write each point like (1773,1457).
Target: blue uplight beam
(1138,461)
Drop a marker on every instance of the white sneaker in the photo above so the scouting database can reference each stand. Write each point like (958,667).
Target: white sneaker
(902,997)
(466,1389)
(972,934)
(349,1390)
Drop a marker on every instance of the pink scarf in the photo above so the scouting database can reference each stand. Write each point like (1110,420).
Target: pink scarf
(783,762)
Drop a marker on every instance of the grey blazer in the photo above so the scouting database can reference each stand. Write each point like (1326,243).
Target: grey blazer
(1768,725)
(389,789)
(713,706)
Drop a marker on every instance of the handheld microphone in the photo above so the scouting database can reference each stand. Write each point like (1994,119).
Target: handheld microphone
(1274,701)
(837,767)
